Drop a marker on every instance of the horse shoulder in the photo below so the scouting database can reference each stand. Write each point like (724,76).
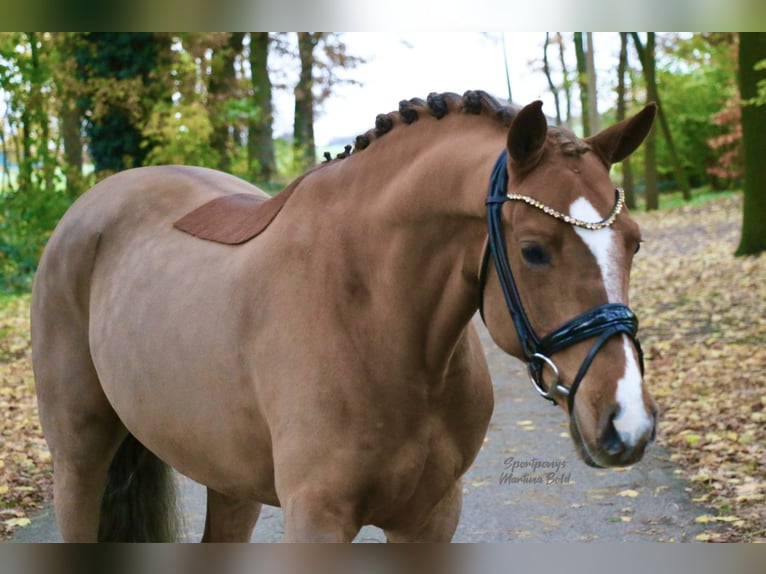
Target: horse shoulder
(471,402)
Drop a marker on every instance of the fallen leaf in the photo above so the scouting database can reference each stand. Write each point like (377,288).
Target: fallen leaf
(629,493)
(704,336)
(17,522)
(692,439)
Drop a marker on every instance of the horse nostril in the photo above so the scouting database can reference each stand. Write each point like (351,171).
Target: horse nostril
(610,439)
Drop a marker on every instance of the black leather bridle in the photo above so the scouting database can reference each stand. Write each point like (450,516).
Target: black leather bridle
(602,322)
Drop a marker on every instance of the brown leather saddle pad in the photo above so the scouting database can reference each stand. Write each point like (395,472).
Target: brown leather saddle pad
(234,219)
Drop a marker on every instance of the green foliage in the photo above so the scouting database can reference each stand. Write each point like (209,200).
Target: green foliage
(700,196)
(180,134)
(33,197)
(284,152)
(118,70)
(26,221)
(760,98)
(696,80)
(25,78)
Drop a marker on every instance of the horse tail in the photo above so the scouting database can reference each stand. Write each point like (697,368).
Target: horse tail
(140,499)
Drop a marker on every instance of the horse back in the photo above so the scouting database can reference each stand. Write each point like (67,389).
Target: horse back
(126,203)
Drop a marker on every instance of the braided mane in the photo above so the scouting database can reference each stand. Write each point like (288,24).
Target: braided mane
(475,102)
(437,105)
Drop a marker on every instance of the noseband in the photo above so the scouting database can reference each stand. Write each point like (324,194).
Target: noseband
(602,322)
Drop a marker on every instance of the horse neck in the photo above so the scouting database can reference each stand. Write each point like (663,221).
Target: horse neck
(406,218)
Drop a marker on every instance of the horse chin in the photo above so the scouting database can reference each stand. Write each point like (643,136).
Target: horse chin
(581,446)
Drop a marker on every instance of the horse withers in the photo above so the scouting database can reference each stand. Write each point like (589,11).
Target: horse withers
(316,351)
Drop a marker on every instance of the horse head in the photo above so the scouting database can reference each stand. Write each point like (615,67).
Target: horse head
(563,246)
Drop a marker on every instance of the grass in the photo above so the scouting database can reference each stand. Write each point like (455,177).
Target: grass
(674,199)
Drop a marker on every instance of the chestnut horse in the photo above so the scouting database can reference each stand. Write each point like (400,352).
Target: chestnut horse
(316,351)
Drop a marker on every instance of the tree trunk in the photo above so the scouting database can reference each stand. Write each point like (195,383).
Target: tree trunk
(566,83)
(223,78)
(507,70)
(582,82)
(260,141)
(40,117)
(593,118)
(551,85)
(5,181)
(649,65)
(71,120)
(304,151)
(650,144)
(627,171)
(752,49)
(25,159)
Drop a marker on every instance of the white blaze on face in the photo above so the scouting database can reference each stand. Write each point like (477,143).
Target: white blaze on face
(632,420)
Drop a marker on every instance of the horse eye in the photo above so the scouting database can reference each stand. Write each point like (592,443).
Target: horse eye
(535,255)
(638,247)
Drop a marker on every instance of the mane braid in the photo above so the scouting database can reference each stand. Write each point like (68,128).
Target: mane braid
(474,102)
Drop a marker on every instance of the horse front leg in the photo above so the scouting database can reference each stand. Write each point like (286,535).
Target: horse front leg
(317,517)
(441,523)
(229,519)
(319,514)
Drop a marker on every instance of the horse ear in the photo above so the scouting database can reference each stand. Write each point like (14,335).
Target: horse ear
(617,142)
(526,136)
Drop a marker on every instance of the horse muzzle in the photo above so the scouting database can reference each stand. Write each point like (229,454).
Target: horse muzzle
(618,433)
(611,447)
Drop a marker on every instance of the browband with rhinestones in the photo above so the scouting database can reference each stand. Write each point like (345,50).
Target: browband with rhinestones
(606,222)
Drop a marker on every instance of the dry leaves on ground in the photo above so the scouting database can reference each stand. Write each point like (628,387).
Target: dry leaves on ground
(25,470)
(703,326)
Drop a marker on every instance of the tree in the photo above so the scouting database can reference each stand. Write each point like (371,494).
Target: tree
(118,70)
(507,70)
(25,77)
(752,71)
(180,129)
(30,200)
(551,85)
(649,64)
(627,171)
(566,81)
(590,61)
(303,125)
(697,78)
(321,54)
(582,82)
(70,113)
(222,90)
(260,142)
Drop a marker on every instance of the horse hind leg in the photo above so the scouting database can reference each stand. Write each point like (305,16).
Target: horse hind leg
(82,430)
(229,519)
(106,485)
